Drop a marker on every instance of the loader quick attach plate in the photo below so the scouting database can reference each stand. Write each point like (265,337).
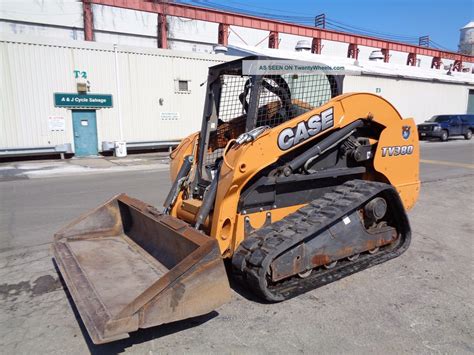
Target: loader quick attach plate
(127,266)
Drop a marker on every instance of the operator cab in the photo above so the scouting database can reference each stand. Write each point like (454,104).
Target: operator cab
(237,103)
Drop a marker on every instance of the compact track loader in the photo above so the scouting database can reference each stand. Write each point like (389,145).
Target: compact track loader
(296,184)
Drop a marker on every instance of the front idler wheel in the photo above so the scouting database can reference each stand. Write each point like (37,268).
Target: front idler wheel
(375,209)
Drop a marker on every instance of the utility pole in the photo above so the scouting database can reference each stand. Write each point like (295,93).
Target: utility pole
(320,21)
(424,41)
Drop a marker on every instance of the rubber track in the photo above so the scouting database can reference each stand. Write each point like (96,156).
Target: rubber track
(255,254)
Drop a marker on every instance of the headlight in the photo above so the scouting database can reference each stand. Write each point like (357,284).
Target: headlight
(436,128)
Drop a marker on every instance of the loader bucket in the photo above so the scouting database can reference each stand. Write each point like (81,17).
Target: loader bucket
(127,266)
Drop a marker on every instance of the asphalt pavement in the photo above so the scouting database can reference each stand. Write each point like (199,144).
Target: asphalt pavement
(420,302)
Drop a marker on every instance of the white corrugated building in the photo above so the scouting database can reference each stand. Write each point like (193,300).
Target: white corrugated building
(157,95)
(160,100)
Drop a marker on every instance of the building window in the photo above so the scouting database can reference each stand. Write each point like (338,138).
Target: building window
(182,86)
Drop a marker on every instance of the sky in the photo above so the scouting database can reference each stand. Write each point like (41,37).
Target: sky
(402,20)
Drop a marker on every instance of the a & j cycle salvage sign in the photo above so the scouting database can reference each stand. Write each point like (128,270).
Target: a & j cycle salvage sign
(82,100)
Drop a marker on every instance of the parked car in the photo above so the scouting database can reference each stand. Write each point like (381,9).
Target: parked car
(445,126)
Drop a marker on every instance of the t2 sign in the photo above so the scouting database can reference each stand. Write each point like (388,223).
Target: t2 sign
(79,74)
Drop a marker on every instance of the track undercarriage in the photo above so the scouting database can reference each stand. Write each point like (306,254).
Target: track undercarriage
(339,234)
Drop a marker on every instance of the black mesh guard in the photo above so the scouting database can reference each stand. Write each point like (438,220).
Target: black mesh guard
(280,98)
